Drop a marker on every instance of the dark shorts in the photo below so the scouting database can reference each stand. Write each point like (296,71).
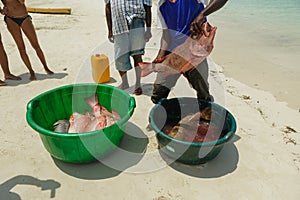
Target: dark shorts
(197,78)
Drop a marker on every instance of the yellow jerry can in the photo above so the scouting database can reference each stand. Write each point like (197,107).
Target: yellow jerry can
(100,68)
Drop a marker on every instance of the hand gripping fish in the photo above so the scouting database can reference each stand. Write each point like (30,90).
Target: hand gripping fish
(184,57)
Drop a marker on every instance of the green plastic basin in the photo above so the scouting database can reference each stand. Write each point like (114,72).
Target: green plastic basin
(59,103)
(170,110)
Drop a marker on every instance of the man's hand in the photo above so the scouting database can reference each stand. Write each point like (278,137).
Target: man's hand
(196,25)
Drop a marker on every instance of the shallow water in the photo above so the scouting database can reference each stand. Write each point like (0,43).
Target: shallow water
(276,21)
(261,45)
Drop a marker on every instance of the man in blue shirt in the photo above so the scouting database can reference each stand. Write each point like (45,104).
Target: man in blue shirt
(180,19)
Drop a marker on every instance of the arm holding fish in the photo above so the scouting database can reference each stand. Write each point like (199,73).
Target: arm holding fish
(203,47)
(196,25)
(185,56)
(207,37)
(191,53)
(109,22)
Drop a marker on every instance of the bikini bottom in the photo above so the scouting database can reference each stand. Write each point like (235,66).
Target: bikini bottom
(18,20)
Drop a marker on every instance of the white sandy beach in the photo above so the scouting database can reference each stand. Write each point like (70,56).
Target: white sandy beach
(262,161)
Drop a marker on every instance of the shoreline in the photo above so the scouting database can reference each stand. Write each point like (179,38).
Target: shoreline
(256,60)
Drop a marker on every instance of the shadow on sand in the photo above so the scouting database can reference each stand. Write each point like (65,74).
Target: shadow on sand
(7,186)
(129,153)
(225,163)
(147,89)
(25,78)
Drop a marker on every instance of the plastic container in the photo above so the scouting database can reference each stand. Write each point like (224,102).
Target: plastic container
(100,68)
(60,103)
(170,110)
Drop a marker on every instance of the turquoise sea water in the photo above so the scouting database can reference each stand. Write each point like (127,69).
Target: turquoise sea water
(272,19)
(263,43)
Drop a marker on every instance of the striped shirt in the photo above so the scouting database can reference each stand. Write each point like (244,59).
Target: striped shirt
(123,12)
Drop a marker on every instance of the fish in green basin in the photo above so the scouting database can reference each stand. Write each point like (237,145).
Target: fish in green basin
(98,119)
(61,126)
(195,127)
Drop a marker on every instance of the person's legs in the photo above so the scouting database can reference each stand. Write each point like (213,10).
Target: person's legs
(30,33)
(4,64)
(124,80)
(16,33)
(122,59)
(163,85)
(137,59)
(137,49)
(198,78)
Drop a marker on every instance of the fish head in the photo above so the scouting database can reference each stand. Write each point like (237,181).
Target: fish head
(61,126)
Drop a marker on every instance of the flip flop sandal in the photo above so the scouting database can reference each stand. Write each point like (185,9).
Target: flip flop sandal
(138,91)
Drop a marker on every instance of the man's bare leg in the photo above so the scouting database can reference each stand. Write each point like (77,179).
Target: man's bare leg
(137,59)
(124,84)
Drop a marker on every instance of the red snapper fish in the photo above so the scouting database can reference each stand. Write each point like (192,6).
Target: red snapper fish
(195,127)
(103,117)
(78,122)
(184,57)
(100,118)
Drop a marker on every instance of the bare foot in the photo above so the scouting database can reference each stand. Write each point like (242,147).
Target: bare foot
(2,83)
(48,71)
(12,77)
(32,76)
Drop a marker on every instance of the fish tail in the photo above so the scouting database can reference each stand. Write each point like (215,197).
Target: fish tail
(147,68)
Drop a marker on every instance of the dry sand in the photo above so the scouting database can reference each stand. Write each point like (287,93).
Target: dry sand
(261,162)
